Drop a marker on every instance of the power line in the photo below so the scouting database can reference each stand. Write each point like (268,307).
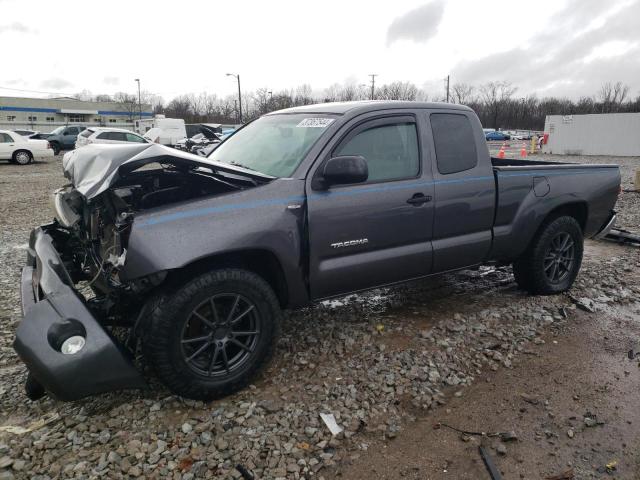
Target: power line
(34,91)
(67,94)
(373,84)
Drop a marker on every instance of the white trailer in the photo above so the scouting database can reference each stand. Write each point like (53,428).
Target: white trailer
(160,129)
(615,134)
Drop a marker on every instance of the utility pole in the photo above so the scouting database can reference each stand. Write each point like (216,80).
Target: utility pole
(235,108)
(373,84)
(447,88)
(139,99)
(237,76)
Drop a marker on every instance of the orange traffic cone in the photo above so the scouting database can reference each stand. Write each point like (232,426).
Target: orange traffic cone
(501,152)
(523,151)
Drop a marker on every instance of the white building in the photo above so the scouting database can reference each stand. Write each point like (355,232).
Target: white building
(45,114)
(615,134)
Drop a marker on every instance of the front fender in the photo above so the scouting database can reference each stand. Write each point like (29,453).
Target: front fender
(269,217)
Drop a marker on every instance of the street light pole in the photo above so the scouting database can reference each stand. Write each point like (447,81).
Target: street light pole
(237,76)
(139,99)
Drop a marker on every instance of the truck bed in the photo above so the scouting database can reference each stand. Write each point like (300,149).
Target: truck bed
(526,187)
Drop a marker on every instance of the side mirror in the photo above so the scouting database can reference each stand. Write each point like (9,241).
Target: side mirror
(345,170)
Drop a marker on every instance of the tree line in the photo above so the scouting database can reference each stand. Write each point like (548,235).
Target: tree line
(496,103)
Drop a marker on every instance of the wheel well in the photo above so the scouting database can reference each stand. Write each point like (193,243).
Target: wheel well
(577,210)
(260,262)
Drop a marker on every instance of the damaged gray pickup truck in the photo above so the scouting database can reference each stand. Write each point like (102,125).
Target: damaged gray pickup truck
(190,260)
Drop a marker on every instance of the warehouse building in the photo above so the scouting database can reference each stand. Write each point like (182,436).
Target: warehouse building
(45,114)
(615,134)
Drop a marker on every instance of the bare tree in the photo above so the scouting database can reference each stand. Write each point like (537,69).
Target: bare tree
(127,102)
(398,91)
(462,93)
(612,96)
(495,96)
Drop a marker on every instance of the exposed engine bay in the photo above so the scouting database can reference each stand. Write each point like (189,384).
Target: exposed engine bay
(94,227)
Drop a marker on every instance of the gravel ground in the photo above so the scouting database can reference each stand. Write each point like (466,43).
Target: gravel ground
(378,362)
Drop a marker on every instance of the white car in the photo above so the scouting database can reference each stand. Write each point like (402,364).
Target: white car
(18,149)
(108,135)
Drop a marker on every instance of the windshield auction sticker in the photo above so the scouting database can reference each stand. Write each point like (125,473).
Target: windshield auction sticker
(315,122)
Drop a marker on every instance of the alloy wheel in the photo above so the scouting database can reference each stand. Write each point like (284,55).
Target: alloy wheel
(559,258)
(220,335)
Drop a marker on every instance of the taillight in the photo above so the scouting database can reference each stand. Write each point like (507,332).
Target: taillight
(48,145)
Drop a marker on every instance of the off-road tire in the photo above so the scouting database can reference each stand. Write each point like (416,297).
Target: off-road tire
(529,270)
(22,157)
(161,340)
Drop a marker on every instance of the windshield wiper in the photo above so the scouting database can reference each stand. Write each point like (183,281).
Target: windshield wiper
(243,166)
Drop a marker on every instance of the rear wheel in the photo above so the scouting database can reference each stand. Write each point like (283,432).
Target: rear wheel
(552,262)
(22,157)
(213,335)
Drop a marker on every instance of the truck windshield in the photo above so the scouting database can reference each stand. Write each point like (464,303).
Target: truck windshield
(274,144)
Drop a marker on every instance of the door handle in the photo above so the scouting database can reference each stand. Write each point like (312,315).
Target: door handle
(419,199)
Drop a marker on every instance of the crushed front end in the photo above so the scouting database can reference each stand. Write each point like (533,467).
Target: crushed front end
(82,316)
(66,349)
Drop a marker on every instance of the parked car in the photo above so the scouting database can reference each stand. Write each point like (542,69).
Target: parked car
(26,133)
(18,149)
(198,258)
(108,135)
(497,136)
(62,138)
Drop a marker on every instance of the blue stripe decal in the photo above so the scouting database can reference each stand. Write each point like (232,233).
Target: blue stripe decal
(222,208)
(57,110)
(340,193)
(29,109)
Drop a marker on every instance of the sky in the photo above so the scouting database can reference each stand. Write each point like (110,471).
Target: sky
(547,47)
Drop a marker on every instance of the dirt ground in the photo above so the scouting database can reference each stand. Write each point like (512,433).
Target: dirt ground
(582,370)
(466,350)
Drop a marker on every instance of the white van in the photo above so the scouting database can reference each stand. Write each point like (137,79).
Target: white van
(160,129)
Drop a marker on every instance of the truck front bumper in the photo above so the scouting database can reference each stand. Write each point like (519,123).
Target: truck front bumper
(54,311)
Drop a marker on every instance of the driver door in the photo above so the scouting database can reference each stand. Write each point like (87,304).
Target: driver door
(377,232)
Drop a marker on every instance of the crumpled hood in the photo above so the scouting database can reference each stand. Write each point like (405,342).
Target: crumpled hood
(93,168)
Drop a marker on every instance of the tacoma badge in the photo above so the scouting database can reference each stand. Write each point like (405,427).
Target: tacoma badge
(350,243)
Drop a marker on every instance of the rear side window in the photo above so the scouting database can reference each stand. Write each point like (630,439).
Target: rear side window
(134,138)
(118,136)
(391,151)
(104,136)
(454,142)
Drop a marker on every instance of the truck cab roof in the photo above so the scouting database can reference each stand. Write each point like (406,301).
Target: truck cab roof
(364,106)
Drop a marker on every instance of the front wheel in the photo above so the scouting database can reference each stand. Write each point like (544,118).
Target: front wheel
(55,147)
(213,335)
(552,261)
